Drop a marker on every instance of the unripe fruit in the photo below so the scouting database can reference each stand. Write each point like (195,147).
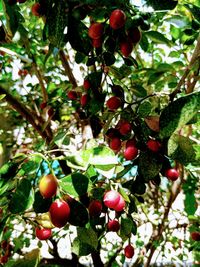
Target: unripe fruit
(111,198)
(86,84)
(120,205)
(134,35)
(126,48)
(125,127)
(59,213)
(84,100)
(113,225)
(129,251)
(130,153)
(43,105)
(95,208)
(97,43)
(117,19)
(195,236)
(48,186)
(95,30)
(115,144)
(36,9)
(43,233)
(113,103)
(172,174)
(72,95)
(153,145)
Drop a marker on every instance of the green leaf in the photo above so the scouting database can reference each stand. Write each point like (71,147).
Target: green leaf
(2,96)
(31,259)
(138,90)
(78,214)
(80,183)
(195,10)
(9,170)
(23,197)
(178,113)
(126,228)
(190,203)
(144,109)
(61,138)
(162,5)
(158,37)
(181,148)
(103,156)
(84,233)
(81,249)
(41,204)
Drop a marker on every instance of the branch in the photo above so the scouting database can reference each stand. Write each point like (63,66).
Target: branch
(67,69)
(194,58)
(12,53)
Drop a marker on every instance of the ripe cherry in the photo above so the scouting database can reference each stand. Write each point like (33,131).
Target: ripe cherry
(131,142)
(120,205)
(84,100)
(130,153)
(4,244)
(50,112)
(43,233)
(95,30)
(126,48)
(154,145)
(195,236)
(124,127)
(112,132)
(95,208)
(72,95)
(3,259)
(113,103)
(36,9)
(48,186)
(117,19)
(59,213)
(97,43)
(113,225)
(115,144)
(134,35)
(129,251)
(111,198)
(86,84)
(172,174)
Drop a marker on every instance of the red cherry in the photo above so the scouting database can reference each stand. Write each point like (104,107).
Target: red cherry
(120,205)
(95,30)
(130,153)
(115,144)
(195,236)
(96,43)
(117,19)
(4,244)
(129,251)
(172,174)
(126,48)
(84,100)
(72,95)
(48,186)
(50,112)
(125,127)
(43,233)
(134,35)
(95,208)
(153,145)
(113,225)
(113,103)
(3,259)
(86,84)
(112,132)
(36,9)
(43,105)
(111,198)
(131,142)
(59,213)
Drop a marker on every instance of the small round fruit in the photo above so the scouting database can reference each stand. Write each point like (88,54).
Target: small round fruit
(117,19)
(97,43)
(111,198)
(115,144)
(86,84)
(95,30)
(120,205)
(43,105)
(43,233)
(195,236)
(125,128)
(3,259)
(72,95)
(113,103)
(84,100)
(4,244)
(129,251)
(134,35)
(172,174)
(112,132)
(36,9)
(130,153)
(113,225)
(154,145)
(126,48)
(48,186)
(131,142)
(95,208)
(50,112)
(59,213)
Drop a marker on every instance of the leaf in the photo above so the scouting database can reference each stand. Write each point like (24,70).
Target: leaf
(23,197)
(158,37)
(78,213)
(61,138)
(84,233)
(126,228)
(181,148)
(81,249)
(162,5)
(103,156)
(31,259)
(178,113)
(138,90)
(44,220)
(9,170)
(41,204)
(190,203)
(195,10)
(2,96)
(80,183)
(144,109)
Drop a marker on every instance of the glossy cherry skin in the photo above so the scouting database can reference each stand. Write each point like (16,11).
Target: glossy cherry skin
(36,9)
(95,30)
(129,251)
(195,236)
(172,174)
(120,205)
(115,144)
(95,208)
(130,153)
(111,198)
(48,186)
(117,19)
(126,48)
(113,225)
(72,95)
(86,84)
(43,233)
(153,145)
(113,103)
(59,213)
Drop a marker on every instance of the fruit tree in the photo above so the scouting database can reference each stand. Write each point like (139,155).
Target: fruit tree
(99,132)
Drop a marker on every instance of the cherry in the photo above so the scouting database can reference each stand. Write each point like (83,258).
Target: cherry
(126,47)
(50,112)
(96,43)
(48,186)
(120,205)
(59,213)
(4,244)
(112,132)
(72,95)
(3,259)
(129,251)
(43,233)
(113,103)
(131,142)
(95,30)
(95,208)
(195,236)
(172,174)
(117,19)
(111,198)
(153,145)
(36,9)
(43,105)
(130,153)
(84,100)
(124,127)
(134,35)
(115,144)
(86,84)
(113,225)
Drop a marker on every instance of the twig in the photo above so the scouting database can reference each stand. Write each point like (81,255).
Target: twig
(12,53)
